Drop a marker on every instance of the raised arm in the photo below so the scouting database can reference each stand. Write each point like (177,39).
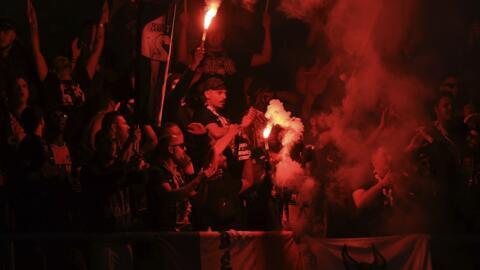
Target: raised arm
(41,64)
(265,56)
(92,62)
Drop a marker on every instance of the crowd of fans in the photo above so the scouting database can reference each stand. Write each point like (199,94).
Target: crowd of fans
(76,158)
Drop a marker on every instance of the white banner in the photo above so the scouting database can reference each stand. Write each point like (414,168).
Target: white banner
(249,250)
(155,42)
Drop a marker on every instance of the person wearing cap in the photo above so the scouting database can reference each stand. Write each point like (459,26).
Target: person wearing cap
(214,94)
(227,54)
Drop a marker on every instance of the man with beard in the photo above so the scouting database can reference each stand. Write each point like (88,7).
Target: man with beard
(172,181)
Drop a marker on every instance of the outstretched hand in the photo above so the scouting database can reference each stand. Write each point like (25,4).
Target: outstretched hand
(32,15)
(105,13)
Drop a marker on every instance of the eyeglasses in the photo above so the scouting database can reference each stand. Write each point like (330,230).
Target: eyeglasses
(182,145)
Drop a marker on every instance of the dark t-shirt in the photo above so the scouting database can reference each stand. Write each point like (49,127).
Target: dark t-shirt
(30,193)
(222,208)
(107,197)
(372,219)
(164,209)
(204,116)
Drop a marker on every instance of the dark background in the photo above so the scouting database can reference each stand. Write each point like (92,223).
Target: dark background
(444,24)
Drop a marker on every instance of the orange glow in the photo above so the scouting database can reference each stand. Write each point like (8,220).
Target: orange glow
(266,131)
(211,13)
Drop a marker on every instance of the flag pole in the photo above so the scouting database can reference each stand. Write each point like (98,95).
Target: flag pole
(167,67)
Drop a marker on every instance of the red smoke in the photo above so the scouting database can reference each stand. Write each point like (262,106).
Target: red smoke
(379,103)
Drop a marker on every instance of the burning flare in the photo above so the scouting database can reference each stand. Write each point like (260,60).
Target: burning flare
(211,13)
(266,131)
(212,8)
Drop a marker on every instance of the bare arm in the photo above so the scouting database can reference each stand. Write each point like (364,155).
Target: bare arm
(266,55)
(364,198)
(216,131)
(421,138)
(94,58)
(185,191)
(41,64)
(225,140)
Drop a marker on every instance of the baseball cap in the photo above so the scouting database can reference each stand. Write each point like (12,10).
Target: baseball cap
(212,83)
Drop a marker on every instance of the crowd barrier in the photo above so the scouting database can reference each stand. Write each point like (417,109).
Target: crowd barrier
(270,250)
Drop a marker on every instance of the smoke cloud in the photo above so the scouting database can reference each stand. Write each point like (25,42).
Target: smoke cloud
(293,126)
(369,96)
(372,85)
(289,173)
